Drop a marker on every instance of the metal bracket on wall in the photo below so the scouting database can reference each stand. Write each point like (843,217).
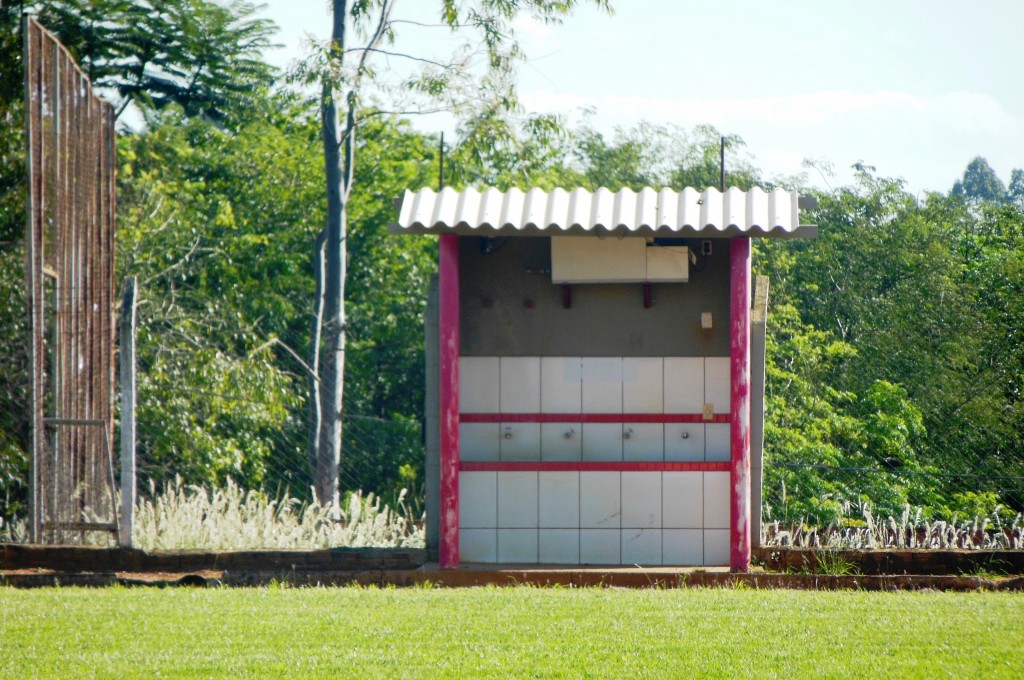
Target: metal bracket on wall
(566,296)
(647,296)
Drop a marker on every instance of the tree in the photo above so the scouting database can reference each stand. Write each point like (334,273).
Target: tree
(1016,189)
(201,55)
(345,70)
(980,182)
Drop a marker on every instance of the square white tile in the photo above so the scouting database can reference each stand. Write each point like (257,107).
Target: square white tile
(641,500)
(559,500)
(478,384)
(682,547)
(642,385)
(602,384)
(478,502)
(561,441)
(519,441)
(684,384)
(520,385)
(600,500)
(561,385)
(716,383)
(682,500)
(600,546)
(717,499)
(602,442)
(559,546)
(643,442)
(517,500)
(517,546)
(716,442)
(478,441)
(641,546)
(478,545)
(684,442)
(716,547)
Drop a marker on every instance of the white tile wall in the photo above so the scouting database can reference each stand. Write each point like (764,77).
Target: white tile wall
(647,518)
(716,383)
(641,546)
(682,500)
(561,385)
(716,547)
(641,500)
(684,384)
(682,547)
(517,500)
(602,441)
(519,441)
(517,546)
(478,384)
(559,546)
(642,385)
(689,449)
(478,545)
(478,441)
(716,442)
(520,385)
(600,500)
(600,546)
(561,441)
(716,500)
(602,384)
(643,442)
(672,533)
(477,500)
(559,500)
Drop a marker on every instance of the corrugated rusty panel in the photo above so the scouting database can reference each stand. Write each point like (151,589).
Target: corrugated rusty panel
(709,213)
(70,156)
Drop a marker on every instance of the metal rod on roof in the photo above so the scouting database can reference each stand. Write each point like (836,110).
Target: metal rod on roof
(721,165)
(440,175)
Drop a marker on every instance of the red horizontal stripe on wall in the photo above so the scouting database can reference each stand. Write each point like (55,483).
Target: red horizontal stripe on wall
(588,466)
(591,418)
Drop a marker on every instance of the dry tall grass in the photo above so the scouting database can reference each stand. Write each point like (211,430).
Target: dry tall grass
(231,518)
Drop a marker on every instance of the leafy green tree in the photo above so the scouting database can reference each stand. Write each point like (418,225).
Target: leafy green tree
(345,75)
(980,182)
(203,56)
(1015,192)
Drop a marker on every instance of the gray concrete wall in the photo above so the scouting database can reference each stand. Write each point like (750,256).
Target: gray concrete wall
(432,414)
(509,307)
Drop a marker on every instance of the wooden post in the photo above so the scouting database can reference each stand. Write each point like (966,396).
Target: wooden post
(739,435)
(448,393)
(126,526)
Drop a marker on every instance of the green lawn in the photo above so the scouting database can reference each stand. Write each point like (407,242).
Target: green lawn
(522,632)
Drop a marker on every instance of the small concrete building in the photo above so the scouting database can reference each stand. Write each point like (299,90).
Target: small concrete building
(589,373)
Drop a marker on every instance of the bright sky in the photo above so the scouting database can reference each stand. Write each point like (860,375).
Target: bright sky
(915,88)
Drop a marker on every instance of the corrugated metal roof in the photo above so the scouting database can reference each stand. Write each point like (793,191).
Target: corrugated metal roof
(664,212)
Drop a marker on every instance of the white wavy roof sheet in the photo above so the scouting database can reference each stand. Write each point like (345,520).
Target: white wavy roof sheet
(708,213)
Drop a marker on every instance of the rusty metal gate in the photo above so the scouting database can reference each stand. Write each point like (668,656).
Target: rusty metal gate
(70,271)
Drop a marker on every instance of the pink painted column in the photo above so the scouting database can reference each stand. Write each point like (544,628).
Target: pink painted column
(448,399)
(739,374)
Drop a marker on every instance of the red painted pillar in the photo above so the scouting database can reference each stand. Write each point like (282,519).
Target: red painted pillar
(448,398)
(739,374)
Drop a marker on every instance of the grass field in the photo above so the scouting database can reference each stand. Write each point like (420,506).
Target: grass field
(520,632)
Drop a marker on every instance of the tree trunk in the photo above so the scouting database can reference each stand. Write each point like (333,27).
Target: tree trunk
(338,173)
(313,357)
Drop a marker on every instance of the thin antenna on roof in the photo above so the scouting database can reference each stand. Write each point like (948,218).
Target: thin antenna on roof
(440,176)
(721,161)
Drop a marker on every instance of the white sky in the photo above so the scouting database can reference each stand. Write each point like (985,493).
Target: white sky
(915,88)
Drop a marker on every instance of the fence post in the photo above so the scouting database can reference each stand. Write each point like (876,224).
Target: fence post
(127,339)
(758,326)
